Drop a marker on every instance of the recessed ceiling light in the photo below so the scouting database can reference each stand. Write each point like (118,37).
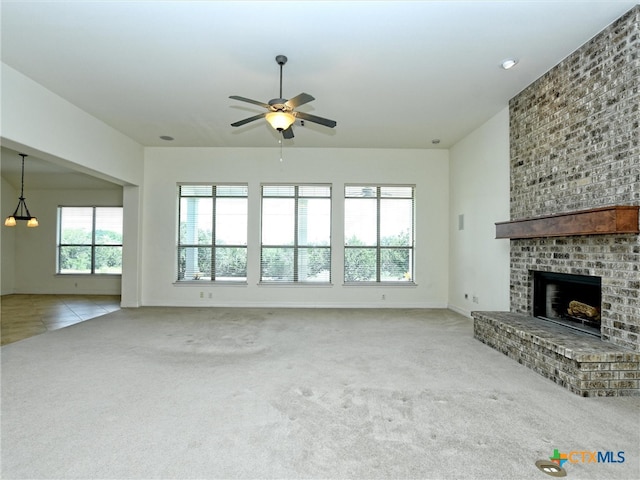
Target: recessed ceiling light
(509,63)
(166,137)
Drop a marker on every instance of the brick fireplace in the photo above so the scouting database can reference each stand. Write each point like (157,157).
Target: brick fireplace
(575,150)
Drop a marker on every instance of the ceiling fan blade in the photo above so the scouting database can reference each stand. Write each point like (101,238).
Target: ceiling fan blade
(312,118)
(247,120)
(248,100)
(299,100)
(288,133)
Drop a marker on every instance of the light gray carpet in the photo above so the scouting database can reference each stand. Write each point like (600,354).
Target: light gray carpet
(292,393)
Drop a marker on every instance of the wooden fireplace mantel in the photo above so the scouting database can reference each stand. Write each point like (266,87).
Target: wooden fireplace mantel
(595,221)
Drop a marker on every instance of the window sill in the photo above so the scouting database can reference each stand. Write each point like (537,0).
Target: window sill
(67,275)
(295,284)
(380,284)
(208,283)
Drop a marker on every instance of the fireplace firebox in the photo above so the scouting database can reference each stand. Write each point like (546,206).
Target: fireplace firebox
(573,301)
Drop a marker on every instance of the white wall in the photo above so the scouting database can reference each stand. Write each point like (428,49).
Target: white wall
(131,286)
(165,167)
(8,202)
(449,262)
(479,190)
(35,248)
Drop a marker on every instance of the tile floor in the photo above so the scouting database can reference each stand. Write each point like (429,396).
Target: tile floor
(23,316)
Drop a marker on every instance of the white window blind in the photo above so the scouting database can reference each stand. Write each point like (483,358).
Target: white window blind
(212,238)
(378,230)
(296,234)
(89,240)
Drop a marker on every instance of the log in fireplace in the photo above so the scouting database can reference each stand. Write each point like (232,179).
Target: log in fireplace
(573,301)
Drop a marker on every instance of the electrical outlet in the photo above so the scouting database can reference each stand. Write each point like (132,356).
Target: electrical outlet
(210,295)
(475,299)
(384,297)
(201,294)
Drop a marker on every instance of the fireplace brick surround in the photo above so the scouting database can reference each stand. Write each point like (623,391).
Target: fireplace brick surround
(574,146)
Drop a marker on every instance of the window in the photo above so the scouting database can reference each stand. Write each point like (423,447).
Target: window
(378,232)
(296,234)
(212,238)
(90,240)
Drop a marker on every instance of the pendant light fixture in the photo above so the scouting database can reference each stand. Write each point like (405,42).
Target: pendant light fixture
(21,212)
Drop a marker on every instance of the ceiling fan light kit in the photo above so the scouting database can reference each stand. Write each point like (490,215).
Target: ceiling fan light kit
(280,120)
(281,112)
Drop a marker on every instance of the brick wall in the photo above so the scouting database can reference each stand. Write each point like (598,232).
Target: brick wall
(575,144)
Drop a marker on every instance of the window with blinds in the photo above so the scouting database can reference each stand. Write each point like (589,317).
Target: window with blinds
(89,240)
(212,238)
(378,232)
(296,234)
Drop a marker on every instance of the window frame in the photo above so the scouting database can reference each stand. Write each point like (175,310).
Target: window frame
(296,247)
(378,247)
(92,245)
(214,234)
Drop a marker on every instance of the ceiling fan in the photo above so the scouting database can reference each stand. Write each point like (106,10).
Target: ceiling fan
(280,112)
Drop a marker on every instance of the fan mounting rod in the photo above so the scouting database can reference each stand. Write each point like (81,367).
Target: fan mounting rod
(281,60)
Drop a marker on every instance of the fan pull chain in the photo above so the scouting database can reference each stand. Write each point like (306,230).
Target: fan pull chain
(280,142)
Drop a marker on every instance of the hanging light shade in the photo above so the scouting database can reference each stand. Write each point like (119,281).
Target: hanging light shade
(280,120)
(21,212)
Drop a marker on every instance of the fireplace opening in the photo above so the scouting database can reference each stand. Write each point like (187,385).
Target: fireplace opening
(573,301)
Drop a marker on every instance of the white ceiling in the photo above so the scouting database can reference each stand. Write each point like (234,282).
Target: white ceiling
(393,74)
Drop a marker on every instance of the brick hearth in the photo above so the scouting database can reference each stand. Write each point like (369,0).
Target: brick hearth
(580,362)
